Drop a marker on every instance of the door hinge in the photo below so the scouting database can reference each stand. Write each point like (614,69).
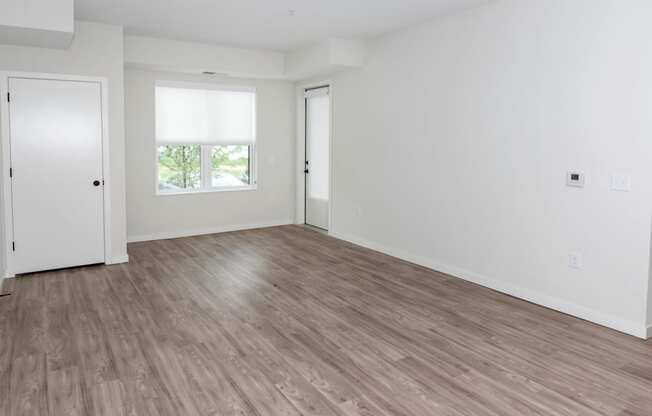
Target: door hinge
(8,97)
(13,246)
(11,173)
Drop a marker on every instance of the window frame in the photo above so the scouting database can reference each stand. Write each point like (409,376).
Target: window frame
(205,155)
(206,171)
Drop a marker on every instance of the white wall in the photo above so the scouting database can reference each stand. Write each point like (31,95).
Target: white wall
(47,23)
(151,216)
(649,298)
(152,54)
(330,56)
(38,14)
(451,147)
(96,51)
(191,57)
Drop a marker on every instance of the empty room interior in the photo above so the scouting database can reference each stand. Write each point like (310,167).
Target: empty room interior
(326,207)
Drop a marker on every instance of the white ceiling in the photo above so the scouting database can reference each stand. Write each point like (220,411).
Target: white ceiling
(264,23)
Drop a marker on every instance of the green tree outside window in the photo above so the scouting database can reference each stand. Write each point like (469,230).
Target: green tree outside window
(179,167)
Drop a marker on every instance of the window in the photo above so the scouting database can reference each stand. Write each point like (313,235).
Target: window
(230,166)
(205,137)
(179,168)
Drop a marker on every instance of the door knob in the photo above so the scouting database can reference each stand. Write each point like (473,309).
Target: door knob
(96,183)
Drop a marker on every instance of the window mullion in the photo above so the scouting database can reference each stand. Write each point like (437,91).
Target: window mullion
(251,164)
(206,168)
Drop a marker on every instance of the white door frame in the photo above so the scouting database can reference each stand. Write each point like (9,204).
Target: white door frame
(300,217)
(7,219)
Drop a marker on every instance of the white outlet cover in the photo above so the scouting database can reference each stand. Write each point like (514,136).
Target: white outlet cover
(621,182)
(575,260)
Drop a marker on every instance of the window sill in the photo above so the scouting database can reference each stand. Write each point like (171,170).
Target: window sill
(209,191)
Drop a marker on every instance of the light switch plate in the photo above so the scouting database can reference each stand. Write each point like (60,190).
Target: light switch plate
(621,182)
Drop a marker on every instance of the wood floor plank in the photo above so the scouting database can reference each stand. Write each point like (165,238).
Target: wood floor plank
(28,392)
(7,331)
(288,321)
(64,392)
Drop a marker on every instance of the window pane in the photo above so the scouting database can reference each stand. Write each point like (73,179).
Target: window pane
(179,168)
(318,130)
(230,166)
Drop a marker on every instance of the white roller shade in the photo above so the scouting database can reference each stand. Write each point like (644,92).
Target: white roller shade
(205,116)
(316,92)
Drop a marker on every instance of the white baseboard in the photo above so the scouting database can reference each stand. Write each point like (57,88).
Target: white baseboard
(207,230)
(561,305)
(123,258)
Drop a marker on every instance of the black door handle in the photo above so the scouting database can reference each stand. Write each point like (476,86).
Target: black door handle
(96,183)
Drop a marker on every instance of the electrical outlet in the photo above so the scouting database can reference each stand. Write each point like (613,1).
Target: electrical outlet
(621,182)
(575,260)
(575,178)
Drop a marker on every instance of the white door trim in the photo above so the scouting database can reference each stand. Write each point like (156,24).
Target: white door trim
(5,196)
(300,217)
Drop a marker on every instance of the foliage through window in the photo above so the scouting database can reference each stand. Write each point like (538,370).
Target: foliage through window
(230,166)
(180,167)
(205,137)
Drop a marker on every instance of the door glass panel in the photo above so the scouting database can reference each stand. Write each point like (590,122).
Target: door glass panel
(317,157)
(318,146)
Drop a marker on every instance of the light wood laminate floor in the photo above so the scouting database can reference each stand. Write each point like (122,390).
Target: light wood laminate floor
(287,321)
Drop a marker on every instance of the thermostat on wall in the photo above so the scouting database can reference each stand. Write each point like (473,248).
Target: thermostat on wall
(575,178)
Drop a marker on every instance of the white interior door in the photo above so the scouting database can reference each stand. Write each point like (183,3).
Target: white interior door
(56,184)
(317,157)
